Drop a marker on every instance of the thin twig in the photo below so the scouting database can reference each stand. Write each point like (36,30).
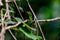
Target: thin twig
(2,18)
(7,9)
(48,20)
(10,7)
(3,28)
(8,17)
(12,1)
(18,9)
(36,26)
(12,34)
(36,19)
(53,19)
(14,25)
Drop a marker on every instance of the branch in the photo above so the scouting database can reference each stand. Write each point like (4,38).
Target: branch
(53,19)
(57,18)
(3,28)
(7,9)
(12,34)
(8,18)
(12,0)
(18,9)
(35,19)
(14,25)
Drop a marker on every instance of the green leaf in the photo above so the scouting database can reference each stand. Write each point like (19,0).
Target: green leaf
(30,16)
(15,29)
(18,19)
(0,20)
(11,11)
(3,9)
(29,35)
(29,26)
(21,9)
(9,22)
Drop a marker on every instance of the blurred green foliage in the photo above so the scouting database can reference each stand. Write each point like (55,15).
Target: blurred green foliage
(44,9)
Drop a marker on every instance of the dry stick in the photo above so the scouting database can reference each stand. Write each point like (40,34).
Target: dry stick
(7,9)
(8,15)
(36,19)
(36,26)
(18,9)
(57,18)
(10,7)
(12,34)
(6,12)
(48,20)
(3,28)
(13,0)
(15,25)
